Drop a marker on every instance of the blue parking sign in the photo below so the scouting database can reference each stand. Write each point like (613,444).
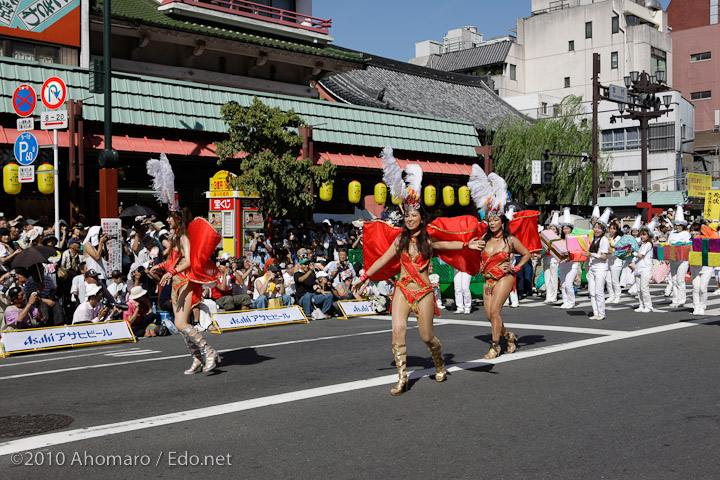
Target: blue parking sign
(26,148)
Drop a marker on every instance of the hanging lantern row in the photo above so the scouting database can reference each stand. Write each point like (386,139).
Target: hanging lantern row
(45,179)
(381,194)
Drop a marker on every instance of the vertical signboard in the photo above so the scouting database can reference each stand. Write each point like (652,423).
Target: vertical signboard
(113,228)
(56,21)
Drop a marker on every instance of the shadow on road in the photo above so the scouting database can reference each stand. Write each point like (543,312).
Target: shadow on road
(523,341)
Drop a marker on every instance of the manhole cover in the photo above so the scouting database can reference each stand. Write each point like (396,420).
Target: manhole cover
(24,425)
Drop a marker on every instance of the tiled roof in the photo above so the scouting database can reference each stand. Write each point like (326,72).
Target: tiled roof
(160,102)
(474,57)
(422,91)
(146,12)
(672,197)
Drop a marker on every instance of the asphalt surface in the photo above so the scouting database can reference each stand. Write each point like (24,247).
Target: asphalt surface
(633,396)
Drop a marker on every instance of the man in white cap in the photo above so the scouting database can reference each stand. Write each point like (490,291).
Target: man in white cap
(91,310)
(678,269)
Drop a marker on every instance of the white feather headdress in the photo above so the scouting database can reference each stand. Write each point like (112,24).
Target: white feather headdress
(163,181)
(489,192)
(408,189)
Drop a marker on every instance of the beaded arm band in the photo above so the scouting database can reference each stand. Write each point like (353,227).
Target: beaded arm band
(173,272)
(364,277)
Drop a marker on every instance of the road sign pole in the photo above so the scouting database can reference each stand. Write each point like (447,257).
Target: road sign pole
(56,179)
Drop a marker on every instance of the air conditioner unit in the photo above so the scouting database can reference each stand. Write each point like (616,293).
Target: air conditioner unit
(653,4)
(656,187)
(618,184)
(618,193)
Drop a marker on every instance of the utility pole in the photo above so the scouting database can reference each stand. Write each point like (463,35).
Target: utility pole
(595,105)
(108,158)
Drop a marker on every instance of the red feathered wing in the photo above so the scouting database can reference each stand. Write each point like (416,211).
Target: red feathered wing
(203,241)
(524,227)
(378,236)
(463,229)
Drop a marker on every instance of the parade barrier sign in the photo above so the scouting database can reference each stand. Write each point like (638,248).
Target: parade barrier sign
(258,318)
(672,252)
(705,252)
(34,339)
(356,308)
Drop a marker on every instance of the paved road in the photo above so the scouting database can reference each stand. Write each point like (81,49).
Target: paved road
(633,396)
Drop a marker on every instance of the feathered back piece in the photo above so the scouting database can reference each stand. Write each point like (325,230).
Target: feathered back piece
(163,181)
(489,192)
(408,189)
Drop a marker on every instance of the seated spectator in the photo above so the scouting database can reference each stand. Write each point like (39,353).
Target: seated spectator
(117,287)
(336,267)
(323,294)
(139,313)
(343,290)
(47,289)
(7,252)
(91,310)
(19,314)
(222,293)
(270,285)
(288,273)
(306,286)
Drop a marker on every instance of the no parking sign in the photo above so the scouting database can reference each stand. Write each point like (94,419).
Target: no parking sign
(24,100)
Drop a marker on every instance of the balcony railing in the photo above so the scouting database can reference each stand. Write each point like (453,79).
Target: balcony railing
(261,12)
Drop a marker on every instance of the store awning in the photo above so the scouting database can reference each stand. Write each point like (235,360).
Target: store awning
(364,161)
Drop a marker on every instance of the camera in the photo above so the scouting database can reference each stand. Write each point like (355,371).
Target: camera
(108,304)
(140,269)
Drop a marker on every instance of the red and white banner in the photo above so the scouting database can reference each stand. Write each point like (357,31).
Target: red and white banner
(222,204)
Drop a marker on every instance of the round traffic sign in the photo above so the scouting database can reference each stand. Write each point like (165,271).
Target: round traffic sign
(53,92)
(26,148)
(24,100)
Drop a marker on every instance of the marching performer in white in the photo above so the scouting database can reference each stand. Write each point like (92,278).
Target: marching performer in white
(628,275)
(568,270)
(598,265)
(678,269)
(701,277)
(615,265)
(550,265)
(643,267)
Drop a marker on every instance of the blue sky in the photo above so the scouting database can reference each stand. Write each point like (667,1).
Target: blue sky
(390,28)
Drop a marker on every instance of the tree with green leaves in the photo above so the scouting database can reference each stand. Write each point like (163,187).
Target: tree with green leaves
(267,144)
(518,141)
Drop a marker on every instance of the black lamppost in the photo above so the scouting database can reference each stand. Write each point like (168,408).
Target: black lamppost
(644,104)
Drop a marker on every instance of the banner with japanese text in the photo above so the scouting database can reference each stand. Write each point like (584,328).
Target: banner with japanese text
(259,318)
(33,339)
(356,308)
(712,205)
(56,21)
(698,184)
(113,228)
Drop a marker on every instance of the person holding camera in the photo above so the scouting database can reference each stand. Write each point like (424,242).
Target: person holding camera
(95,250)
(20,314)
(307,288)
(269,286)
(222,293)
(336,267)
(92,310)
(261,248)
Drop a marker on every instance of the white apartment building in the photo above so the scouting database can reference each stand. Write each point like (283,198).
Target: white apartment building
(550,56)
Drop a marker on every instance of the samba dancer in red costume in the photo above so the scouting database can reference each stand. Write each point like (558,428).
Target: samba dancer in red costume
(188,265)
(413,248)
(498,246)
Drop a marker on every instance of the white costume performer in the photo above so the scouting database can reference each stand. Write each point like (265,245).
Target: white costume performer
(643,270)
(615,267)
(568,270)
(550,267)
(598,268)
(678,269)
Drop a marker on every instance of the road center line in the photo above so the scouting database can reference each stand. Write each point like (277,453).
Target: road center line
(69,436)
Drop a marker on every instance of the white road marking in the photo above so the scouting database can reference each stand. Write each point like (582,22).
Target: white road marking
(522,326)
(63,437)
(185,355)
(26,361)
(131,353)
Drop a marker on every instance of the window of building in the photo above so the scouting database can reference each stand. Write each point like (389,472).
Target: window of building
(556,109)
(701,95)
(29,51)
(658,61)
(632,20)
(714,12)
(619,139)
(614,60)
(567,82)
(661,137)
(571,46)
(700,57)
(615,24)
(543,108)
(513,72)
(588,29)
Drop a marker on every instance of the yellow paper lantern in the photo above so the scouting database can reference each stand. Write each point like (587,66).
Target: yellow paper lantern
(326,191)
(464,196)
(380,193)
(430,195)
(10,179)
(448,196)
(45,179)
(354,191)
(395,200)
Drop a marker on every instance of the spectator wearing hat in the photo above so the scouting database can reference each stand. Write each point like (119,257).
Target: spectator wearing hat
(95,251)
(21,314)
(47,290)
(336,267)
(139,314)
(7,252)
(91,310)
(306,288)
(268,286)
(117,287)
(343,289)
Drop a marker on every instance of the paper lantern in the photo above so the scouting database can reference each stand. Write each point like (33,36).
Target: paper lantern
(10,179)
(464,196)
(326,191)
(380,193)
(448,196)
(430,195)
(395,200)
(354,191)
(45,179)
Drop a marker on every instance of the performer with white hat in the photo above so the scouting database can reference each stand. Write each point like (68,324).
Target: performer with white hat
(643,267)
(568,270)
(635,229)
(678,269)
(615,265)
(598,265)
(701,276)
(595,215)
(551,264)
